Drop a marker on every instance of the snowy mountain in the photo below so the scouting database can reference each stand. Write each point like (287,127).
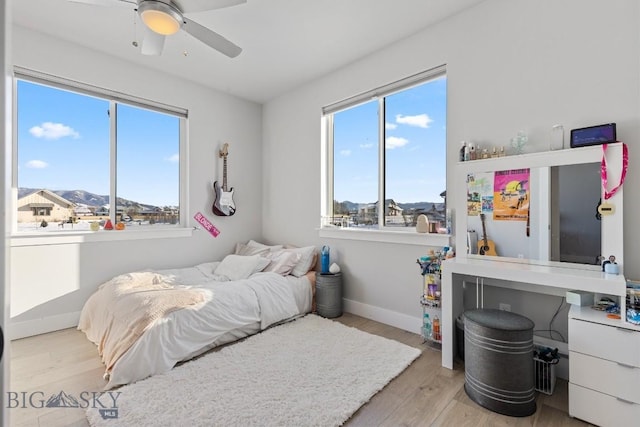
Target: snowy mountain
(81,197)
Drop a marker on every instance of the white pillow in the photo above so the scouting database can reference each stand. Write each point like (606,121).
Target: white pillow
(254,244)
(237,267)
(242,249)
(282,262)
(306,260)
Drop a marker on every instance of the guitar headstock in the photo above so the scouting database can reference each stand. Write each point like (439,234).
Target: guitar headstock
(224,151)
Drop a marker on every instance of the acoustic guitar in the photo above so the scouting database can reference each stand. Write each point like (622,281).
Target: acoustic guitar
(486,246)
(223,204)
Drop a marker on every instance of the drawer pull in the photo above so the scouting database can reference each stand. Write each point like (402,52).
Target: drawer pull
(624,365)
(625,401)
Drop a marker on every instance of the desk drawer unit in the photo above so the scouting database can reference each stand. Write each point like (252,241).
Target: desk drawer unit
(604,341)
(605,376)
(604,373)
(601,409)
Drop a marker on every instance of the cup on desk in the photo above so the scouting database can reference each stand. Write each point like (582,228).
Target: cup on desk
(612,268)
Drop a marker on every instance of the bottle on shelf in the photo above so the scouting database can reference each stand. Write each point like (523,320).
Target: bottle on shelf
(435,334)
(426,326)
(463,148)
(557,137)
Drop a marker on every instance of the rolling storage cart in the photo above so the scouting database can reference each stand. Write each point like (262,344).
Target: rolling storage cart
(430,300)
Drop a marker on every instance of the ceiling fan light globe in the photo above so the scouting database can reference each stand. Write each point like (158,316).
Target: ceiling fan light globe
(160,17)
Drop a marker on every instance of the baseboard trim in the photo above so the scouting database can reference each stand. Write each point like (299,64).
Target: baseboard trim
(43,325)
(29,328)
(382,315)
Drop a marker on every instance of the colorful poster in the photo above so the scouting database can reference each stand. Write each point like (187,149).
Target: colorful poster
(479,193)
(511,191)
(487,204)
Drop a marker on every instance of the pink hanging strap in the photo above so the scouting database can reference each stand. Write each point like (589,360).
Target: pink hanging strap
(603,170)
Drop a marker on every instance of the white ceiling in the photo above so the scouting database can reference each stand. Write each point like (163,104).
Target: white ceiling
(285,42)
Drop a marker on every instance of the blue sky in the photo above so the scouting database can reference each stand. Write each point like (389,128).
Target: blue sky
(63,144)
(415,147)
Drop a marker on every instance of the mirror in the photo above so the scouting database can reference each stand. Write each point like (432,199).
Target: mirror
(543,213)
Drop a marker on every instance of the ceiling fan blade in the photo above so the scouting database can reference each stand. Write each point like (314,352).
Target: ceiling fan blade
(188,6)
(129,4)
(152,43)
(211,38)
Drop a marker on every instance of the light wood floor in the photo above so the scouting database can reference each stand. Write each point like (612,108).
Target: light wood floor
(425,394)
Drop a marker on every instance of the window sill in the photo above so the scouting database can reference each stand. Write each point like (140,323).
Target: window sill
(387,236)
(63,238)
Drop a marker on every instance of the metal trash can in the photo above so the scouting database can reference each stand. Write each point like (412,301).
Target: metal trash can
(329,295)
(460,336)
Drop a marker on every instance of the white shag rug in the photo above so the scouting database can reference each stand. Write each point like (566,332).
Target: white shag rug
(309,372)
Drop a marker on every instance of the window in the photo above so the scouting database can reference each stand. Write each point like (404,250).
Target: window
(387,147)
(41,211)
(87,155)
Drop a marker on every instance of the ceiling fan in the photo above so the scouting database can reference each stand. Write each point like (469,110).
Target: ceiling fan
(166,17)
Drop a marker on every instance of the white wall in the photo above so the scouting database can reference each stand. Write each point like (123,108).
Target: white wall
(6,115)
(511,65)
(49,284)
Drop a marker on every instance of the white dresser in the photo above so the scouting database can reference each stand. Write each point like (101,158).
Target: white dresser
(604,369)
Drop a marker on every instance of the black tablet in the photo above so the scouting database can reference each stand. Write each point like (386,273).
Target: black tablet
(593,135)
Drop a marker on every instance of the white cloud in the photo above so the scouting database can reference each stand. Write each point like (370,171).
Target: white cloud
(395,142)
(36,164)
(48,130)
(421,120)
(345,152)
(390,126)
(366,146)
(174,159)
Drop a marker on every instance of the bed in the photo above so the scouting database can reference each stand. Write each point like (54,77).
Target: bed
(146,322)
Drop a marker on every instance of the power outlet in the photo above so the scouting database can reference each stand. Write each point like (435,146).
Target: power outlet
(505,307)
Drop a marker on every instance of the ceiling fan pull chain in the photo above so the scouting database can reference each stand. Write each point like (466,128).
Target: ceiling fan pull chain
(185,52)
(135,30)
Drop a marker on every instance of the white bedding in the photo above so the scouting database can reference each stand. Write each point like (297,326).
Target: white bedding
(232,310)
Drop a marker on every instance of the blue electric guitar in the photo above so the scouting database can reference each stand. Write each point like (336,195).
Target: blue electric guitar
(223,204)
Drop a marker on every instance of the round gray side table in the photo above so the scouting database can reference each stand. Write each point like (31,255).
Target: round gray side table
(329,295)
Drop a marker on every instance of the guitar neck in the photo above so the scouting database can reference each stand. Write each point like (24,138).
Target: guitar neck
(484,232)
(224,174)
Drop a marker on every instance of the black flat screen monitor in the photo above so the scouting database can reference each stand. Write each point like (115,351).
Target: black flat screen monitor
(593,135)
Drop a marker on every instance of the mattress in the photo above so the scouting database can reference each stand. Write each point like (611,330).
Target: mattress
(232,310)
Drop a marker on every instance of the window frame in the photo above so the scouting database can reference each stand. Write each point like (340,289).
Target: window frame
(383,233)
(113,98)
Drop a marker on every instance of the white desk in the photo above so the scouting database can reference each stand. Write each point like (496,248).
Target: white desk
(549,279)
